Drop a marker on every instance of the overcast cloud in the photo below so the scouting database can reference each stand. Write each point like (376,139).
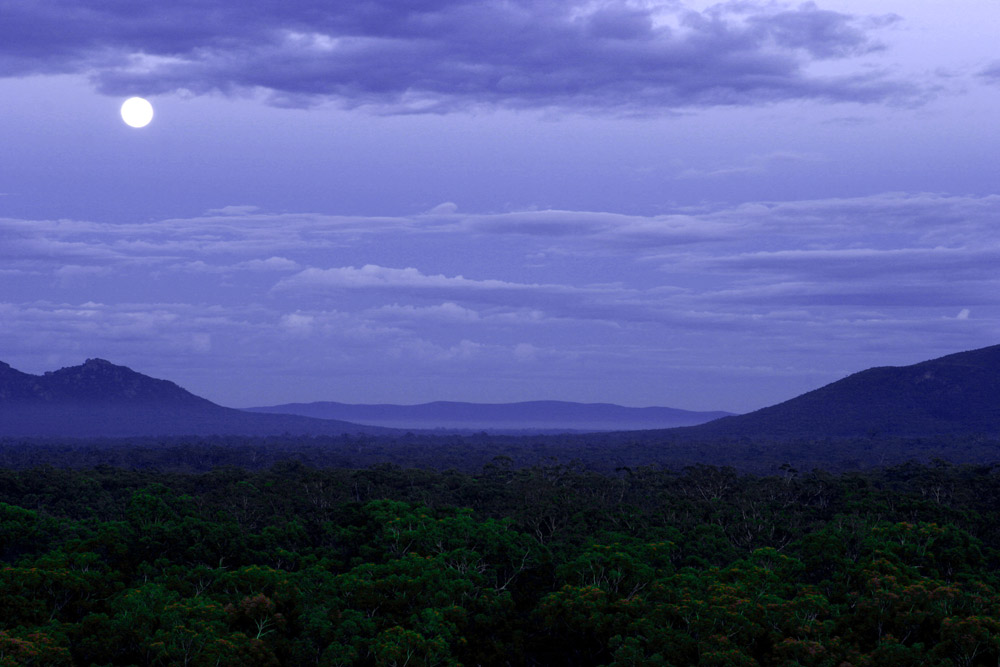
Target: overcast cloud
(403,57)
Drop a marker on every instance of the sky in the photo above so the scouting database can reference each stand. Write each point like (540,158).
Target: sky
(708,206)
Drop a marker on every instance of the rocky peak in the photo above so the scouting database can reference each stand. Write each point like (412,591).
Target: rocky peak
(97,381)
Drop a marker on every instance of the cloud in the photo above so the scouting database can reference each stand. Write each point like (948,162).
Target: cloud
(449,313)
(233,210)
(509,304)
(444,208)
(442,55)
(865,265)
(754,164)
(445,312)
(45,243)
(622,294)
(525,352)
(426,351)
(373,276)
(419,302)
(298,324)
(823,34)
(991,73)
(269,265)
(890,232)
(75,330)
(74,273)
(563,264)
(601,228)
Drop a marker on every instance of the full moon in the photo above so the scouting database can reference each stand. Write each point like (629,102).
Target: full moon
(137,112)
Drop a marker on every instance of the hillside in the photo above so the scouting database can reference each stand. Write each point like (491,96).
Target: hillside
(958,394)
(101,399)
(523,416)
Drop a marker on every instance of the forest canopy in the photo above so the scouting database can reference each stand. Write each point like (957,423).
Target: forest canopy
(549,564)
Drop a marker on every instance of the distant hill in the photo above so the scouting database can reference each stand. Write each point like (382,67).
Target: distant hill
(537,416)
(958,394)
(100,399)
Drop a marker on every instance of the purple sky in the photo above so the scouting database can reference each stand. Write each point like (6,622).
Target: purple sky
(698,205)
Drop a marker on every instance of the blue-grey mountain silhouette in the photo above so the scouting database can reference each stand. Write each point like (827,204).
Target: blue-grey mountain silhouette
(101,399)
(952,395)
(524,416)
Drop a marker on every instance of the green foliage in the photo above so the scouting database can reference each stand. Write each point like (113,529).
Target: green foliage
(552,565)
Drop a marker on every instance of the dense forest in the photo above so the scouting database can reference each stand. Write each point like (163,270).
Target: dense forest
(550,564)
(604,452)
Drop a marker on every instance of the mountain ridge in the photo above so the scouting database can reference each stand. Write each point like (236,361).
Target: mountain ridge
(958,393)
(100,381)
(101,399)
(520,415)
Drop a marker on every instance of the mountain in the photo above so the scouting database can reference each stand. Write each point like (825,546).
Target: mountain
(526,416)
(958,394)
(100,399)
(95,382)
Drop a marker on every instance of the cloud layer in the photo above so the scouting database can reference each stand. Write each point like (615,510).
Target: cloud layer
(438,55)
(532,300)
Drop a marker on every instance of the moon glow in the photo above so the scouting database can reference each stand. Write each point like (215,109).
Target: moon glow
(137,112)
